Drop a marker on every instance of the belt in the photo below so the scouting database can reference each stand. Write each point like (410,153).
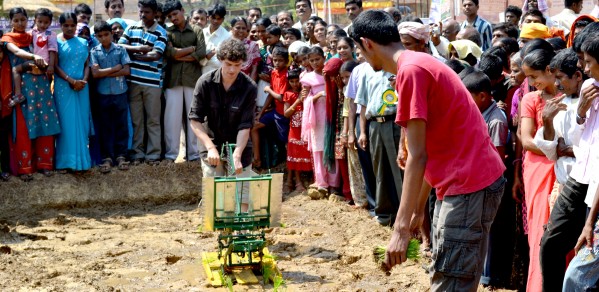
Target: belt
(383,119)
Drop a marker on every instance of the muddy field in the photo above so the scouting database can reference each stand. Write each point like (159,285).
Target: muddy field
(324,246)
(149,246)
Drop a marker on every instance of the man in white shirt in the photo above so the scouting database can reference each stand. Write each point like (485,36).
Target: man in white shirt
(116,9)
(214,34)
(303,11)
(565,18)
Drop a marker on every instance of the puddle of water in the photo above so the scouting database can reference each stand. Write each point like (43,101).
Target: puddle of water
(192,273)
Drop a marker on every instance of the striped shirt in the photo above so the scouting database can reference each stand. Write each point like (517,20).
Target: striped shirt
(484,28)
(146,73)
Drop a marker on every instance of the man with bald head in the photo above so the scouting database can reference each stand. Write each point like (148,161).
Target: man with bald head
(469,33)
(451,29)
(394,12)
(284,20)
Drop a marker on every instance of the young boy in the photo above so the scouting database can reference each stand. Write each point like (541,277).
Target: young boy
(498,260)
(582,272)
(479,86)
(109,65)
(557,138)
(83,12)
(291,35)
(278,86)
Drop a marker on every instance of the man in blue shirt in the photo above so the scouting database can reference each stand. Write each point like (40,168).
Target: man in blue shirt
(470,9)
(145,42)
(110,65)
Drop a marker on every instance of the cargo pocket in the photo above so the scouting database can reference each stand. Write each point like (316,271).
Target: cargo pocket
(458,259)
(493,195)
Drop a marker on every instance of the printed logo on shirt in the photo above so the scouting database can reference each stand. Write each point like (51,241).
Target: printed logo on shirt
(389,99)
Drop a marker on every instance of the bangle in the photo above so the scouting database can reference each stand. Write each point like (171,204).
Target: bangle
(343,135)
(210,148)
(581,118)
(516,161)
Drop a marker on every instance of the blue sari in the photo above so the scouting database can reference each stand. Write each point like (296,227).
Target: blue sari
(72,144)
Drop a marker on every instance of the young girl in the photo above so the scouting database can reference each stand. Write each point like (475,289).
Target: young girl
(356,178)
(44,45)
(304,61)
(345,49)
(298,157)
(313,122)
(35,120)
(335,157)
(538,173)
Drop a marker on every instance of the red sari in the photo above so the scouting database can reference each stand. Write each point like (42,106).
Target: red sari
(27,155)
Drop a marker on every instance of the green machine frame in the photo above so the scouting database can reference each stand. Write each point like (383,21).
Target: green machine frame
(241,208)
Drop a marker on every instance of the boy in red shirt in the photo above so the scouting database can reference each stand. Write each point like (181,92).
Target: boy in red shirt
(449,146)
(278,86)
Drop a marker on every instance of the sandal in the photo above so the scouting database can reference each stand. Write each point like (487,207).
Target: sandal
(122,164)
(26,177)
(106,166)
(299,186)
(5,176)
(257,163)
(287,188)
(46,172)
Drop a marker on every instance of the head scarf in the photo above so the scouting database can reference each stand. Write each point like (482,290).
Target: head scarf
(466,47)
(416,30)
(535,31)
(331,69)
(295,46)
(570,40)
(119,20)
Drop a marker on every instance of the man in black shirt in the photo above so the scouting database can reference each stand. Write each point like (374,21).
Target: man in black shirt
(223,111)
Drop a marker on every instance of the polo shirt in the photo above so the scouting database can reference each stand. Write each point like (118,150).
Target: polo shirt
(146,73)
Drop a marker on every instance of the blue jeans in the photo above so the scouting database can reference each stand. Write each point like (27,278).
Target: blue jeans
(583,272)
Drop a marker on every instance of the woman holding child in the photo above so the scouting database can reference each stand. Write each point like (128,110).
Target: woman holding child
(35,120)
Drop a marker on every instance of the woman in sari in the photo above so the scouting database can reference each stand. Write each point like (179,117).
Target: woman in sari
(335,157)
(35,121)
(72,98)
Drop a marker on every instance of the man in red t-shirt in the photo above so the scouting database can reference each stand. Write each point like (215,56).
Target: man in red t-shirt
(449,146)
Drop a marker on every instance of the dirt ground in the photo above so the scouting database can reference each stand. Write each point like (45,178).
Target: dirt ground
(324,246)
(155,244)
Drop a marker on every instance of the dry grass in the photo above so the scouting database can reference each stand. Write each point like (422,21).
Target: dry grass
(143,183)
